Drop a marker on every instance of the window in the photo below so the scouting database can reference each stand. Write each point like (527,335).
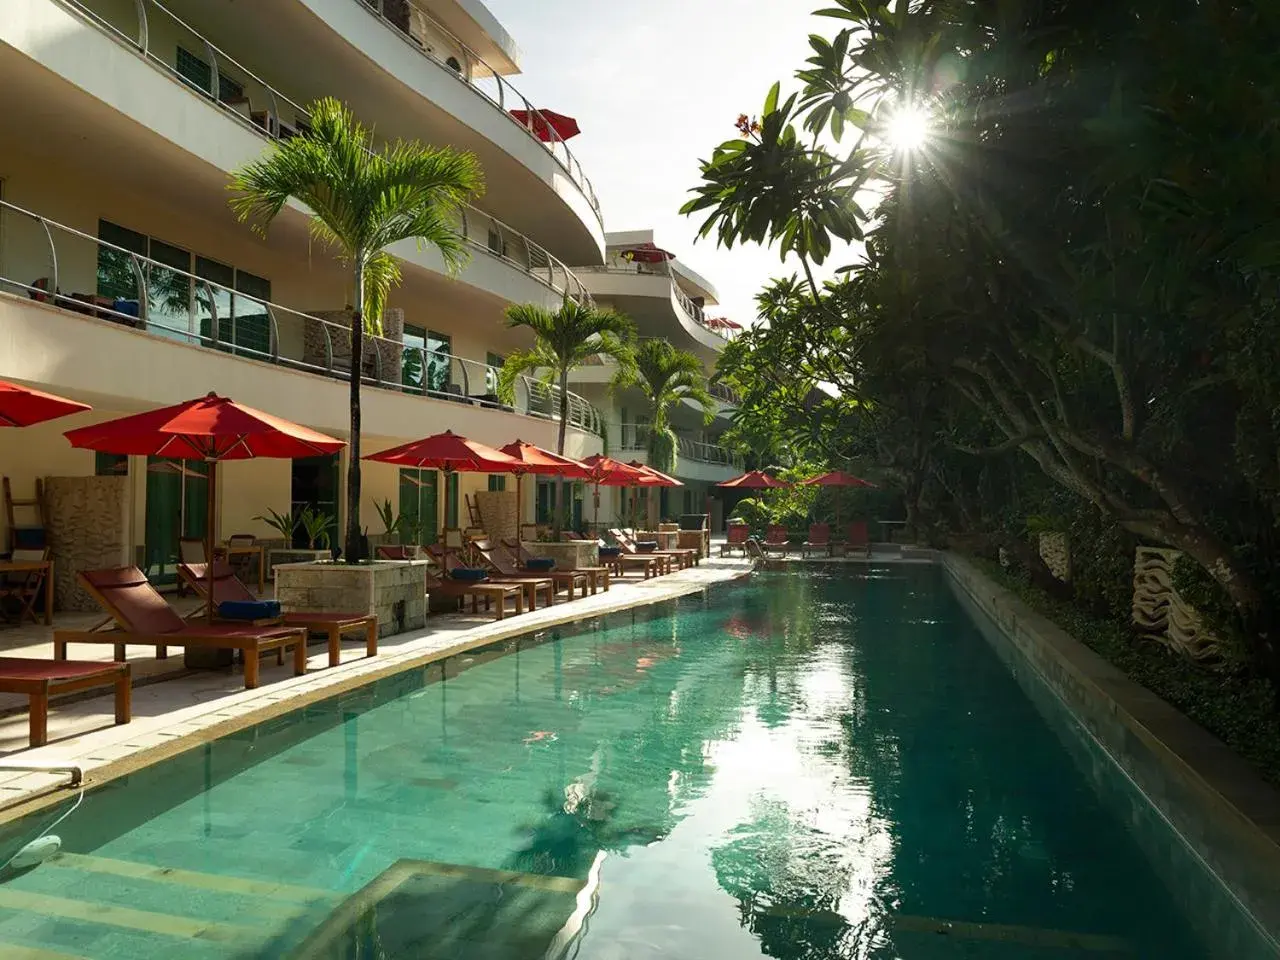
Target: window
(497,482)
(418,503)
(451,500)
(199,75)
(175,307)
(110,465)
(453,64)
(497,243)
(426,363)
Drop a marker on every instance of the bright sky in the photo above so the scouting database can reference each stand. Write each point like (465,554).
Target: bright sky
(655,86)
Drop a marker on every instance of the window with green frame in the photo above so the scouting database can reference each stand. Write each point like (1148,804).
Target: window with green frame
(497,482)
(110,464)
(199,74)
(451,500)
(418,502)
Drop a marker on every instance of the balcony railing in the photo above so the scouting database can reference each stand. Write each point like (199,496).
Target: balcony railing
(635,437)
(695,312)
(282,118)
(725,394)
(150,296)
(504,96)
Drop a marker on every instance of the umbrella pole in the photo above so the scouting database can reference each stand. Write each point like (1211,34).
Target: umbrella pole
(519,505)
(595,522)
(210,517)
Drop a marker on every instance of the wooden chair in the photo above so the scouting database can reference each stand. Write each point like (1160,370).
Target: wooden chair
(26,587)
(143,617)
(242,563)
(596,576)
(227,586)
(41,679)
(857,538)
(819,539)
(530,586)
(190,550)
(506,564)
(460,590)
(776,538)
(737,539)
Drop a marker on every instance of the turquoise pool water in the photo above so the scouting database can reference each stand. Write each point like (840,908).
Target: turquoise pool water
(817,767)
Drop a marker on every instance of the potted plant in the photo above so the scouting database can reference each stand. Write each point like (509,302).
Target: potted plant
(315,526)
(287,525)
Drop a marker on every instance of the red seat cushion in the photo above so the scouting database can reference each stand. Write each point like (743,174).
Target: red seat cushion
(22,668)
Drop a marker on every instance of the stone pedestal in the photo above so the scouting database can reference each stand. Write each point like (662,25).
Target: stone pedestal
(498,513)
(570,555)
(88,530)
(393,590)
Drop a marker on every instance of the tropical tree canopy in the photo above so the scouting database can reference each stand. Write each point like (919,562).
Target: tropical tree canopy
(572,336)
(362,199)
(667,377)
(1064,304)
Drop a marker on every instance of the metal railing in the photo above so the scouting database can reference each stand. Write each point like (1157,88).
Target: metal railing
(695,312)
(482,231)
(724,394)
(150,296)
(635,437)
(504,96)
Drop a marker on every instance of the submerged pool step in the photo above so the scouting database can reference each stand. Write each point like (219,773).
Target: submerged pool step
(1012,934)
(221,883)
(13,951)
(145,921)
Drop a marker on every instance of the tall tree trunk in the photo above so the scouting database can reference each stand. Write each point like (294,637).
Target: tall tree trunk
(352,549)
(560,513)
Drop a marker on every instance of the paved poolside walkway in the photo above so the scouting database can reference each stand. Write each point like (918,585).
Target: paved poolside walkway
(189,707)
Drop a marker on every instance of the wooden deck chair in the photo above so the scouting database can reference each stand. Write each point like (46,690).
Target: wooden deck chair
(41,679)
(736,540)
(680,557)
(777,539)
(143,617)
(819,539)
(458,590)
(449,561)
(856,539)
(26,587)
(503,562)
(227,586)
(596,576)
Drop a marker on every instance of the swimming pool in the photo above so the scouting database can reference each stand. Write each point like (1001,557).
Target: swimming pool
(821,766)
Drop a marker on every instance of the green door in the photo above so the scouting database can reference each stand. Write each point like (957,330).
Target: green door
(176,507)
(313,482)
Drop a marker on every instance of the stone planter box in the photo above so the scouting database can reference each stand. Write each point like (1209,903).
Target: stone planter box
(393,590)
(282,555)
(570,555)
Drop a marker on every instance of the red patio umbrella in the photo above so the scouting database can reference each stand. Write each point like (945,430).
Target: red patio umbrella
(647,253)
(210,429)
(449,453)
(656,477)
(547,125)
(837,478)
(607,472)
(22,406)
(755,480)
(533,459)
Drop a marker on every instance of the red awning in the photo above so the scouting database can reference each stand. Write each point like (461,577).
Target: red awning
(755,480)
(21,406)
(447,451)
(547,125)
(647,253)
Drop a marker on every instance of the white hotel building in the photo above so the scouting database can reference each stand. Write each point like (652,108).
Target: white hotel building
(126,282)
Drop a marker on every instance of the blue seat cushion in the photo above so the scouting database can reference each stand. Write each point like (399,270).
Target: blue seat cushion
(646,546)
(540,563)
(249,609)
(610,551)
(469,574)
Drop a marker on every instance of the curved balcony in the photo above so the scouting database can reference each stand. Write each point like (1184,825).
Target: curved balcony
(177,306)
(650,295)
(695,461)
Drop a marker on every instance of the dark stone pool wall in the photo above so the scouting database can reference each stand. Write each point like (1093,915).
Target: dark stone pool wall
(1209,823)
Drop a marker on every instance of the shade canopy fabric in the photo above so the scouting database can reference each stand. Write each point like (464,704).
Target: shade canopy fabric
(531,458)
(755,480)
(22,406)
(837,478)
(647,253)
(211,428)
(449,452)
(607,472)
(547,125)
(659,478)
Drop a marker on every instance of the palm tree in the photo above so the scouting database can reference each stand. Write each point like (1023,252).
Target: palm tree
(667,376)
(361,202)
(563,341)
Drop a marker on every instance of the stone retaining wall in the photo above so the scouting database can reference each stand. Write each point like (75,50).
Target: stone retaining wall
(394,590)
(1223,815)
(88,530)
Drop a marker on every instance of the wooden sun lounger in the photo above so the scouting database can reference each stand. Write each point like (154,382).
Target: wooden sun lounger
(504,564)
(597,577)
(819,539)
(227,586)
(460,590)
(144,618)
(672,559)
(530,586)
(41,679)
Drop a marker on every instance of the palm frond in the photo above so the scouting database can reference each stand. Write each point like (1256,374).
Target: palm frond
(381,273)
(521,363)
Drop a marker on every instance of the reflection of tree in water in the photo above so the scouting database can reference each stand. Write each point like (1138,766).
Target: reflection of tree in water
(574,829)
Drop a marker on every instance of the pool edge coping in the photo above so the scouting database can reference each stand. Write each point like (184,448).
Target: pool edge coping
(98,777)
(1222,782)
